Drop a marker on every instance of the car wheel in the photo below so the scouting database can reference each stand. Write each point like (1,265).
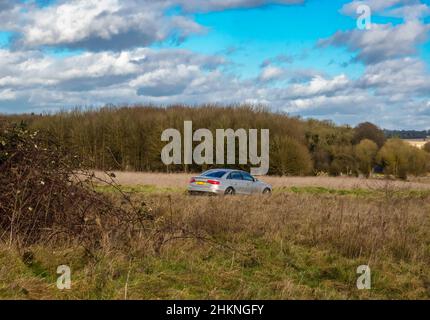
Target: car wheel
(267,191)
(229,191)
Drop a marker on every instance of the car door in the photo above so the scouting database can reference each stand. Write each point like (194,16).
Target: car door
(236,181)
(248,183)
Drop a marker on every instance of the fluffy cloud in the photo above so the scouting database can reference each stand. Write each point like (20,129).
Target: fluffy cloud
(407,9)
(410,12)
(97,25)
(397,78)
(382,42)
(26,69)
(116,65)
(387,93)
(395,85)
(377,6)
(166,81)
(7,94)
(140,74)
(319,86)
(5,5)
(271,73)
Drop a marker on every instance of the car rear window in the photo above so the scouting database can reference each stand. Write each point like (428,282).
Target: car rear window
(214,174)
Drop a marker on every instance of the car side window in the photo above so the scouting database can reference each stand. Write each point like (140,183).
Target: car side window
(247,177)
(235,176)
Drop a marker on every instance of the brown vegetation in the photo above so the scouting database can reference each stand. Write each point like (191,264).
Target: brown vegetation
(128,138)
(180,181)
(43,200)
(398,228)
(400,159)
(278,247)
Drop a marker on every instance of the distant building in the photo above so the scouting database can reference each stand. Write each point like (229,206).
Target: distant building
(418,143)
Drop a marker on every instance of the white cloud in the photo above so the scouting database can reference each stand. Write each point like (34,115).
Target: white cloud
(118,67)
(377,6)
(97,24)
(24,69)
(396,88)
(382,41)
(271,73)
(410,12)
(5,5)
(399,77)
(143,72)
(7,94)
(166,81)
(320,86)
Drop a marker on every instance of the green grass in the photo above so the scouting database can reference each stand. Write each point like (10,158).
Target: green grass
(276,271)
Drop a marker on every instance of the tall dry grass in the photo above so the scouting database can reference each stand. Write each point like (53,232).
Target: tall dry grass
(284,246)
(392,227)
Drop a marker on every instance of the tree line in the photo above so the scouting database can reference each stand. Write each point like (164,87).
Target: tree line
(407,134)
(129,138)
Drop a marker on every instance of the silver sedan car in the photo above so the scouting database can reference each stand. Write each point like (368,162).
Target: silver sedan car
(229,182)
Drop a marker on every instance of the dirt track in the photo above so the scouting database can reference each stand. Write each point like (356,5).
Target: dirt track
(181,180)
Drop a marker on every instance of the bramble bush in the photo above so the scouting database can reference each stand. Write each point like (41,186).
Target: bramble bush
(46,195)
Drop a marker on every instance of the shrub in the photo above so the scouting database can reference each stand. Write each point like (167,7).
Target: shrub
(369,131)
(46,196)
(400,159)
(365,153)
(343,161)
(289,157)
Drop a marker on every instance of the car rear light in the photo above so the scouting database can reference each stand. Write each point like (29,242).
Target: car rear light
(192,180)
(213,182)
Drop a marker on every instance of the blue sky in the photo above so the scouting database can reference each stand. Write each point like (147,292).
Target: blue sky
(259,33)
(306,58)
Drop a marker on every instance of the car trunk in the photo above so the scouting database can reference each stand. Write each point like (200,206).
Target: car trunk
(204,182)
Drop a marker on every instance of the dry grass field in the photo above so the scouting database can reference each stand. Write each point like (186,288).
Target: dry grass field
(290,245)
(180,181)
